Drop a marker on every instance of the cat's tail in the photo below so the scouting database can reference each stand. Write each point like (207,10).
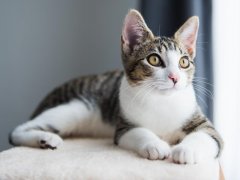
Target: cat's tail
(29,134)
(73,118)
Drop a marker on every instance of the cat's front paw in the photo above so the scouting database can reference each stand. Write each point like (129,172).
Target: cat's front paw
(50,141)
(155,150)
(184,155)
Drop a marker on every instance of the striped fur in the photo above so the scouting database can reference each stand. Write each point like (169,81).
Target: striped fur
(112,102)
(94,90)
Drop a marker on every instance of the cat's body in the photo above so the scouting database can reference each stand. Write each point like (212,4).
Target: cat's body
(147,107)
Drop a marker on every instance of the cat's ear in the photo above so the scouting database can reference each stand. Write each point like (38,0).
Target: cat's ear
(135,30)
(187,35)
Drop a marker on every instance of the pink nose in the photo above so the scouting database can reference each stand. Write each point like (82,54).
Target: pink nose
(173,77)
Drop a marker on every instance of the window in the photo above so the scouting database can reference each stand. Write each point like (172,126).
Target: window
(226,45)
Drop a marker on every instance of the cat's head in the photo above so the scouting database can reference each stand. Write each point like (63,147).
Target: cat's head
(165,63)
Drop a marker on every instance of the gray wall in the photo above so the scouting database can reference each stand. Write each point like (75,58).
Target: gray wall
(44,43)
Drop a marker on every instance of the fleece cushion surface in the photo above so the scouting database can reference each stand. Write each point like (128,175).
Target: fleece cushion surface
(95,159)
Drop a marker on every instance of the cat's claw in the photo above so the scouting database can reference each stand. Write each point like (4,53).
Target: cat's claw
(50,141)
(184,155)
(155,150)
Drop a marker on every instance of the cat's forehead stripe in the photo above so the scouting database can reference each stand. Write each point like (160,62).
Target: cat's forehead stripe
(167,44)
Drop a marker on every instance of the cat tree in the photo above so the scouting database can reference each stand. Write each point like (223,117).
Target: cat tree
(95,159)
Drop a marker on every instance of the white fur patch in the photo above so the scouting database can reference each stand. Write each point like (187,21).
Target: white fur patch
(145,143)
(161,113)
(69,119)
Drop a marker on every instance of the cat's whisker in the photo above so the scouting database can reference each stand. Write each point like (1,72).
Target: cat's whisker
(148,89)
(160,80)
(161,83)
(200,81)
(204,88)
(162,86)
(204,92)
(139,93)
(198,77)
(201,99)
(147,93)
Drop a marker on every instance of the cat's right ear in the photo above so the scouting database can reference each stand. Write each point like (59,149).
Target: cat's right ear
(135,31)
(187,35)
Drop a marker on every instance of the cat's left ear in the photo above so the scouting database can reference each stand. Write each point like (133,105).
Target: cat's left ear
(187,35)
(135,31)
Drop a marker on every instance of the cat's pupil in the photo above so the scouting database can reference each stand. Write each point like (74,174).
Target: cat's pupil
(154,59)
(184,63)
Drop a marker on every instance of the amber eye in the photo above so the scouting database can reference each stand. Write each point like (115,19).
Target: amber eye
(154,60)
(184,63)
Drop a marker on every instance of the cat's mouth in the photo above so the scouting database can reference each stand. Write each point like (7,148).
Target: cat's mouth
(168,87)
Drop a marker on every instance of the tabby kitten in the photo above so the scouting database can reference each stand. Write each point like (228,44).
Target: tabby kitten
(150,107)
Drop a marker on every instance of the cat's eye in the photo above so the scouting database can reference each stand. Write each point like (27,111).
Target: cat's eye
(154,60)
(184,63)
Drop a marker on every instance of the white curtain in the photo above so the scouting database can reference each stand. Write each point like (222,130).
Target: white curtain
(226,46)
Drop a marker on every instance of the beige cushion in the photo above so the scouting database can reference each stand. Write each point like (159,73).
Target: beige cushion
(95,159)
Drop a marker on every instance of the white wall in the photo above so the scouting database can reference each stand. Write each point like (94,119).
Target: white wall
(226,31)
(44,43)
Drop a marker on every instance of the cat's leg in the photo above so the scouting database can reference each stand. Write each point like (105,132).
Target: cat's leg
(144,142)
(201,143)
(194,148)
(46,130)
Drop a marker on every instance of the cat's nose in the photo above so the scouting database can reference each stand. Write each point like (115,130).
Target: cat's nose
(174,77)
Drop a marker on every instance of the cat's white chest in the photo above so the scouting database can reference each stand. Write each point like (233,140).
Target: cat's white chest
(162,114)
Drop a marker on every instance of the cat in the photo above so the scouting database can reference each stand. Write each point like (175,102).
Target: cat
(149,108)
